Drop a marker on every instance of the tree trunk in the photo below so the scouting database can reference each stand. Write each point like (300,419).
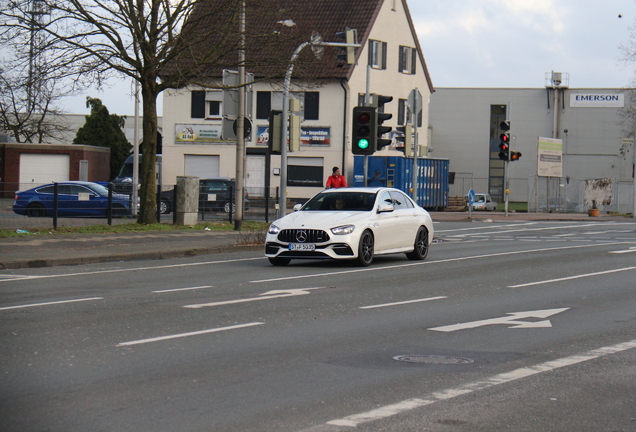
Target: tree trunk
(148,190)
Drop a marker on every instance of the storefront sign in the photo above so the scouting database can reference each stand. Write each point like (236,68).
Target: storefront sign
(597,100)
(188,133)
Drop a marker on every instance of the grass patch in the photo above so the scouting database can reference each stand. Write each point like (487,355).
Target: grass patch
(248,227)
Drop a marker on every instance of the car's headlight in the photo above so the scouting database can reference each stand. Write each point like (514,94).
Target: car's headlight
(343,230)
(273,229)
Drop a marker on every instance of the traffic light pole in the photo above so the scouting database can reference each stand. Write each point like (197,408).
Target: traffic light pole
(367,102)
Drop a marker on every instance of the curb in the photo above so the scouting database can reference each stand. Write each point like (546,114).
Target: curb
(53,262)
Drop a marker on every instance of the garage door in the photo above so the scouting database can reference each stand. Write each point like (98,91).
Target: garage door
(202,166)
(38,169)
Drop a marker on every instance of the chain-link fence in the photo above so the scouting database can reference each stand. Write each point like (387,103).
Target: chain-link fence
(576,195)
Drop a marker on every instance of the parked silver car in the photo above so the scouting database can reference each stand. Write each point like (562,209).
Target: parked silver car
(483,201)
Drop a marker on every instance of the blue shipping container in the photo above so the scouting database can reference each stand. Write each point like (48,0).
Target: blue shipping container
(395,171)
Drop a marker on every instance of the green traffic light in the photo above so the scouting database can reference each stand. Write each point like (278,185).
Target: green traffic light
(363,143)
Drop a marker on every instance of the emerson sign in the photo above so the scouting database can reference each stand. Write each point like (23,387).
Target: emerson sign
(597,100)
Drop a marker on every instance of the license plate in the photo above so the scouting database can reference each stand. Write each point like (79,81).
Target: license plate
(302,247)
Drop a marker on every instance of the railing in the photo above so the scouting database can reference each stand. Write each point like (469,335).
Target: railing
(260,205)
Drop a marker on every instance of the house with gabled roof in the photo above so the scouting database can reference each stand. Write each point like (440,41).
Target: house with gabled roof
(389,62)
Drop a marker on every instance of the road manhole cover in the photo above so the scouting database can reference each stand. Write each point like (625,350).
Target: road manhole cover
(432,359)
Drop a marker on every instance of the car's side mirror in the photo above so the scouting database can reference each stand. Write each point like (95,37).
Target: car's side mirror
(385,208)
(297,207)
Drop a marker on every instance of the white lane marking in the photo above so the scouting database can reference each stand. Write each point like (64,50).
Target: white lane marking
(572,277)
(631,249)
(503,378)
(403,302)
(130,269)
(195,333)
(51,303)
(511,320)
(371,269)
(526,230)
(183,289)
(265,296)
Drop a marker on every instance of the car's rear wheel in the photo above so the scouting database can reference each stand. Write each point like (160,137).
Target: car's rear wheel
(420,247)
(164,207)
(365,249)
(279,261)
(36,210)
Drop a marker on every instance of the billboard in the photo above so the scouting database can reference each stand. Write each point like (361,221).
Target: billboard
(550,157)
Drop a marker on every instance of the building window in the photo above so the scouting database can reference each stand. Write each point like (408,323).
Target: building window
(305,171)
(311,105)
(377,54)
(263,105)
(402,114)
(214,109)
(214,105)
(197,104)
(408,60)
(267,101)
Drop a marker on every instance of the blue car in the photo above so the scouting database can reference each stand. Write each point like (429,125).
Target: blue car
(75,198)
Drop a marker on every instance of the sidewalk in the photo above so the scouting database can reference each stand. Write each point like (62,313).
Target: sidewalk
(73,249)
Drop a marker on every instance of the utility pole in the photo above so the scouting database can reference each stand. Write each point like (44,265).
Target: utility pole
(240,126)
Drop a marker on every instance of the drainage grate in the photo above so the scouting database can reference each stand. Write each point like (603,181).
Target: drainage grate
(432,359)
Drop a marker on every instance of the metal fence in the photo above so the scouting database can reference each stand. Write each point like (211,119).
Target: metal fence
(572,195)
(460,185)
(261,205)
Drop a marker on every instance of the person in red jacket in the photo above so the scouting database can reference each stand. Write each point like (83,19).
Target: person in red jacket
(336,180)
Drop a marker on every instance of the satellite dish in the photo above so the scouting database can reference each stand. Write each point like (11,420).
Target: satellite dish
(316,47)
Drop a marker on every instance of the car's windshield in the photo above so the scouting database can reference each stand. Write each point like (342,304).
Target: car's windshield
(99,189)
(345,201)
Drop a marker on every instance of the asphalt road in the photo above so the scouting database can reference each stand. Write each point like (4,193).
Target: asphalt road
(505,326)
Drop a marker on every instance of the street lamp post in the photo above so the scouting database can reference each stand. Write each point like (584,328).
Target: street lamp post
(282,199)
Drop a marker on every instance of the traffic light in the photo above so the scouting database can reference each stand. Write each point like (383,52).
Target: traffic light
(515,155)
(381,117)
(406,138)
(504,138)
(350,36)
(364,126)
(274,131)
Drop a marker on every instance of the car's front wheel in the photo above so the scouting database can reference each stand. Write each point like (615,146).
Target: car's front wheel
(365,249)
(164,207)
(36,210)
(420,247)
(279,261)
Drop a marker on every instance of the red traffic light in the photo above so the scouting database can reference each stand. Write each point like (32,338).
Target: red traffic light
(364,117)
(505,137)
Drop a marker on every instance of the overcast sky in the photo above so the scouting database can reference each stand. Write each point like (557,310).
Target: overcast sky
(497,43)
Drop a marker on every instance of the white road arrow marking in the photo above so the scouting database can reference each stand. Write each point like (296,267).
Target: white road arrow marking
(512,320)
(265,296)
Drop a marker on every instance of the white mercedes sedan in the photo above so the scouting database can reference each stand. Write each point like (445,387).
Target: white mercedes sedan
(351,224)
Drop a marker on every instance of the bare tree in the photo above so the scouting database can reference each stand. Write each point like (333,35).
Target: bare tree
(159,44)
(29,90)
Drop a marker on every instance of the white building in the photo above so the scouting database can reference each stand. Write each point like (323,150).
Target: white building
(192,117)
(465,126)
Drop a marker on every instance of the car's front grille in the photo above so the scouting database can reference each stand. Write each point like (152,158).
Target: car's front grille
(303,236)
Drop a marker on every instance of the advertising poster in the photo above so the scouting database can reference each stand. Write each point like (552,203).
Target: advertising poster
(550,157)
(197,134)
(309,136)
